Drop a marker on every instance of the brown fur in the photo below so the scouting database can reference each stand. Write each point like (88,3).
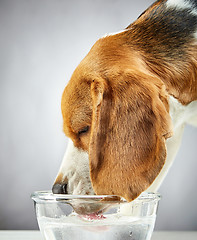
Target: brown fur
(121,90)
(128,114)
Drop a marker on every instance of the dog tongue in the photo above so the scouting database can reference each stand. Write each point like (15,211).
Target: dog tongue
(94,216)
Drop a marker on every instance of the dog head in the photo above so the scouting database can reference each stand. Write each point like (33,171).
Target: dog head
(117,113)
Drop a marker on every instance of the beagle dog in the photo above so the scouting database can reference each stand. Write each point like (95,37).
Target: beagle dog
(126,104)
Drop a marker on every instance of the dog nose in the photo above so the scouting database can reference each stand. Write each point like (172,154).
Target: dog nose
(59,188)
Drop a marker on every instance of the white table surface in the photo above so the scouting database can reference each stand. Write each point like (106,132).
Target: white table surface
(36,235)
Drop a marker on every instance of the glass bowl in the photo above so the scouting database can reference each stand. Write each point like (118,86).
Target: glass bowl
(84,217)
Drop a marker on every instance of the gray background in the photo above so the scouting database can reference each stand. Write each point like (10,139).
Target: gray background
(41,43)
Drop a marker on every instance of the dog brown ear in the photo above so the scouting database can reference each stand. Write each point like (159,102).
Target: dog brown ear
(127,144)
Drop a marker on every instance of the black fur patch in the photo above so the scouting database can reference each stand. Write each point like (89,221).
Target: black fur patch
(194,3)
(164,31)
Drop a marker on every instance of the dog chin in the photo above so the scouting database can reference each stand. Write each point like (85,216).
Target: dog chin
(81,187)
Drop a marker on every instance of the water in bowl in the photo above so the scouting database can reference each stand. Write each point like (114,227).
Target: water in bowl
(105,227)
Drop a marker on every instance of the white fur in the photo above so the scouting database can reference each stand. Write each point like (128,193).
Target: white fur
(180,115)
(115,33)
(181,4)
(75,167)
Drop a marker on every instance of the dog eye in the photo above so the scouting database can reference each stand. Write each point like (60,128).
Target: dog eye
(84,130)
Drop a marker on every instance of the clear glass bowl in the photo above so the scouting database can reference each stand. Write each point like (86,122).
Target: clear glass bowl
(84,217)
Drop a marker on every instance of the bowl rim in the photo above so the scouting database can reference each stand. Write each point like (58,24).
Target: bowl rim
(48,196)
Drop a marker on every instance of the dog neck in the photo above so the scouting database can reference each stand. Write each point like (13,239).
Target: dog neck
(169,48)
